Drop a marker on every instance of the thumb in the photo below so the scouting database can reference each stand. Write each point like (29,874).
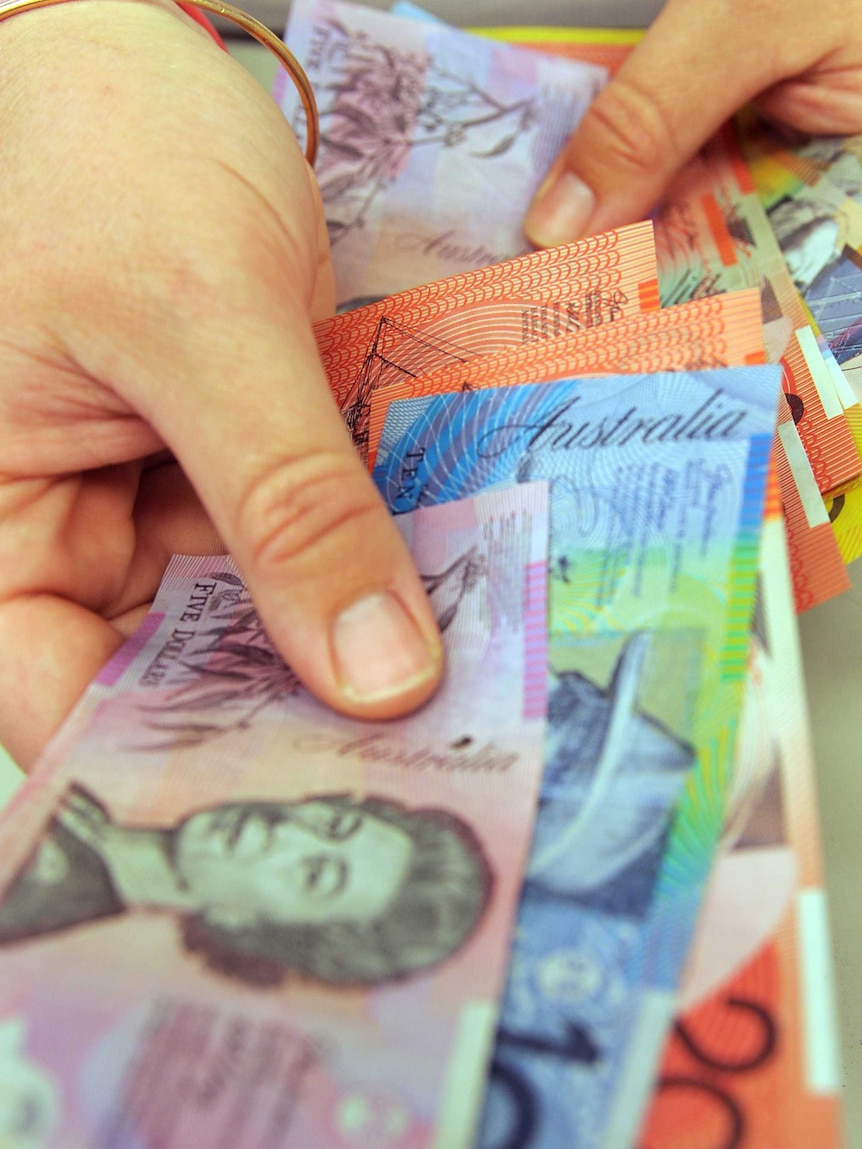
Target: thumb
(695,66)
(263,443)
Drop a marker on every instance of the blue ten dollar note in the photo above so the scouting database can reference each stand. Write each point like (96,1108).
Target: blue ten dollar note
(657,488)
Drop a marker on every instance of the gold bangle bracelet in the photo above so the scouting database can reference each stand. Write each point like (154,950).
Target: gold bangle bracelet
(248,24)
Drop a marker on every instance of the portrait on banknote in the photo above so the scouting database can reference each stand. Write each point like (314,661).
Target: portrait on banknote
(620,770)
(810,237)
(333,888)
(826,267)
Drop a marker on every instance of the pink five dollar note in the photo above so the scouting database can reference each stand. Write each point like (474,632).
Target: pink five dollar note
(432,141)
(232,919)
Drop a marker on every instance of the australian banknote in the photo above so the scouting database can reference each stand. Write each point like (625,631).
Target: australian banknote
(753,1056)
(593,283)
(713,221)
(433,141)
(738,1090)
(438,337)
(818,224)
(713,237)
(231,918)
(817,221)
(719,331)
(657,488)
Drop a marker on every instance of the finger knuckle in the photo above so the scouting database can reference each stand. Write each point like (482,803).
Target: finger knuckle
(636,133)
(305,510)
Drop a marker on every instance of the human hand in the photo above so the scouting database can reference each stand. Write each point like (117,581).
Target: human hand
(164,253)
(696,66)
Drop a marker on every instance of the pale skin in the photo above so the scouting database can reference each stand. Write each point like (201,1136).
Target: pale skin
(699,62)
(164,254)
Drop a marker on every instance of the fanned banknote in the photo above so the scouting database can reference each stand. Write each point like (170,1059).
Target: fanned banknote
(657,486)
(713,226)
(719,331)
(714,237)
(704,333)
(753,1059)
(595,282)
(231,918)
(818,225)
(819,230)
(716,246)
(830,266)
(433,141)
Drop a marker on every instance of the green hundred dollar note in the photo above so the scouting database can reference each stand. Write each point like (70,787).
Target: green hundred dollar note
(232,918)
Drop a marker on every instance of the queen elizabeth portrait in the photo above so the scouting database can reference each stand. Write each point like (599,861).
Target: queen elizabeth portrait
(330,888)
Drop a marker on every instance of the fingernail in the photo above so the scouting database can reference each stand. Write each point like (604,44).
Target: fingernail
(560,212)
(379,650)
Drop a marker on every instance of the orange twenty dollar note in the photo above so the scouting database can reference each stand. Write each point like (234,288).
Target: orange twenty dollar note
(597,281)
(724,331)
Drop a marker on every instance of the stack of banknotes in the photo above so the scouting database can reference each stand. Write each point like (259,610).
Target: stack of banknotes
(576,902)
